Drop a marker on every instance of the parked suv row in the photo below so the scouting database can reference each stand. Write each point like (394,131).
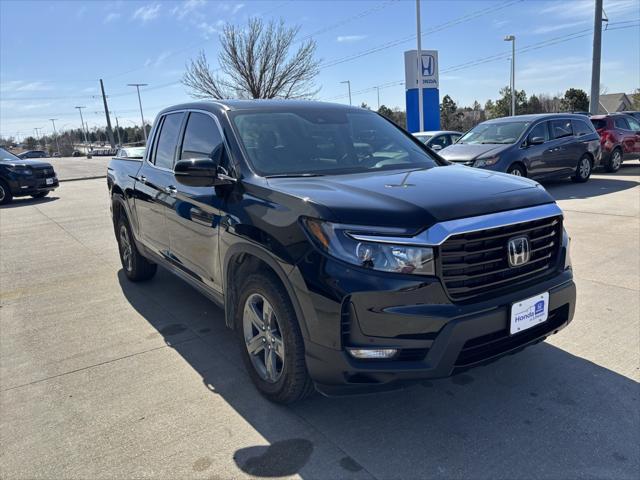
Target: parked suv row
(537,146)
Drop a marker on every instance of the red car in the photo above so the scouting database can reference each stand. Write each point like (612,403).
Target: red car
(619,138)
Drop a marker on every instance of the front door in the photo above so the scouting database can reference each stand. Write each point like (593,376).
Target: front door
(561,158)
(152,195)
(536,154)
(194,218)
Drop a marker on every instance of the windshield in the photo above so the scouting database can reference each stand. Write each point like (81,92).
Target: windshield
(495,132)
(6,156)
(325,141)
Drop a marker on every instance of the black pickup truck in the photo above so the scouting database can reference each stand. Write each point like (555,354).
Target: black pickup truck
(347,255)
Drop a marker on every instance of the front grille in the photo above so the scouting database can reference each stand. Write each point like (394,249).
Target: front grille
(473,264)
(491,345)
(44,172)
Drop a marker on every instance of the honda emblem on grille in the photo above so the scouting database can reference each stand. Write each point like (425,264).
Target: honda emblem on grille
(518,251)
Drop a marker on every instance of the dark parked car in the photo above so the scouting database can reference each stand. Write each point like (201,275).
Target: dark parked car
(33,154)
(619,138)
(437,140)
(21,177)
(536,146)
(346,255)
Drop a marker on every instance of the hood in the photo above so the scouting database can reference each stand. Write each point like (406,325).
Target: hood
(26,161)
(465,152)
(414,198)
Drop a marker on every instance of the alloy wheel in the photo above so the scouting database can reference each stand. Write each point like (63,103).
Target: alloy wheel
(585,168)
(516,172)
(616,160)
(263,338)
(2,194)
(126,248)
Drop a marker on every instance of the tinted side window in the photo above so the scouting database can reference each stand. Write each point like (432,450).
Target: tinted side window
(201,137)
(633,124)
(167,140)
(442,140)
(599,123)
(540,130)
(561,128)
(580,128)
(621,123)
(455,138)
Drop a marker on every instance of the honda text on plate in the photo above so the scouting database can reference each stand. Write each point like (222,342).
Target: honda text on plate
(347,255)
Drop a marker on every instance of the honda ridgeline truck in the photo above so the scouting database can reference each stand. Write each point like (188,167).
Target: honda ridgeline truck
(347,255)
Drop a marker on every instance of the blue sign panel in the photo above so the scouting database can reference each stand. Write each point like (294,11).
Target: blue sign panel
(425,74)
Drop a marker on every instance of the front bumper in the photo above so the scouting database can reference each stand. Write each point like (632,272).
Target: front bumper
(32,185)
(453,339)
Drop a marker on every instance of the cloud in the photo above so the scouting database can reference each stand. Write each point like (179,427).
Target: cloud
(208,29)
(558,26)
(111,17)
(187,7)
(584,8)
(232,8)
(23,86)
(350,38)
(33,106)
(147,13)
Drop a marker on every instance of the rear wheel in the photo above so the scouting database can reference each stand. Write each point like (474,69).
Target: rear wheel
(615,162)
(517,170)
(136,267)
(583,170)
(5,193)
(40,194)
(270,340)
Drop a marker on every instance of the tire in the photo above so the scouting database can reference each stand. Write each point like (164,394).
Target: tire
(615,162)
(41,194)
(516,170)
(583,170)
(287,380)
(136,267)
(5,193)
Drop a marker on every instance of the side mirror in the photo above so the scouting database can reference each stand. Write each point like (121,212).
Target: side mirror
(435,148)
(535,141)
(201,172)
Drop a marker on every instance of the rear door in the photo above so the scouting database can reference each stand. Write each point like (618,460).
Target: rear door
(634,126)
(563,156)
(626,135)
(152,195)
(194,217)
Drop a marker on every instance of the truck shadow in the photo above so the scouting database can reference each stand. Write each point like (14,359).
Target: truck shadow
(540,413)
(25,201)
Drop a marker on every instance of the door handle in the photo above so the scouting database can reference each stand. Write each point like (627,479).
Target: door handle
(171,190)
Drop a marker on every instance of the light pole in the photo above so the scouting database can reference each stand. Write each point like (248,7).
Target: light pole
(512,39)
(348,82)
(594,105)
(82,124)
(55,134)
(378,90)
(138,85)
(419,54)
(117,129)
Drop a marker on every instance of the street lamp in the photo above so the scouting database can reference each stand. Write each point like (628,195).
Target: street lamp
(138,85)
(348,82)
(53,121)
(512,39)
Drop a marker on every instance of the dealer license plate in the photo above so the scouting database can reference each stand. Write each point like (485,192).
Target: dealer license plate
(529,313)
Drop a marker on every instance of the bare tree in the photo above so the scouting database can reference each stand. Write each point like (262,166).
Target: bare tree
(255,62)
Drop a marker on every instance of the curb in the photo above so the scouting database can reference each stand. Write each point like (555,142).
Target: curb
(81,178)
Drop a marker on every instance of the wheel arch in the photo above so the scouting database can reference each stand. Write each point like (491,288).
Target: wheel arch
(243,259)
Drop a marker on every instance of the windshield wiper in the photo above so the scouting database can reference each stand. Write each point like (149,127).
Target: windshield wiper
(294,175)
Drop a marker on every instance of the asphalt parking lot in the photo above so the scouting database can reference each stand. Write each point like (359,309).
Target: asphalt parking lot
(102,378)
(79,168)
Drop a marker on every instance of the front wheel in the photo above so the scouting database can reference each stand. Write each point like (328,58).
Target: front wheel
(271,341)
(583,170)
(136,267)
(5,193)
(516,170)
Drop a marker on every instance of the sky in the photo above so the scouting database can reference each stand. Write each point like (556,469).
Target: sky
(53,53)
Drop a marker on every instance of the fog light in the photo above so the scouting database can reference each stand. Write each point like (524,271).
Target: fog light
(372,352)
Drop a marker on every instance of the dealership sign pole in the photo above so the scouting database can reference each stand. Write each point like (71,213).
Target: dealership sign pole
(421,89)
(419,56)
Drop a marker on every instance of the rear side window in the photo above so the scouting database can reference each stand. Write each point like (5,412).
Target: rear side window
(633,124)
(541,131)
(581,128)
(201,137)
(599,123)
(621,123)
(167,140)
(442,140)
(561,128)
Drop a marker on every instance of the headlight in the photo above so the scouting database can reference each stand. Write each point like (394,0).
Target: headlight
(20,169)
(382,254)
(566,242)
(486,162)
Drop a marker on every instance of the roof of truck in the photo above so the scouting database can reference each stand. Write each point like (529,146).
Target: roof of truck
(235,105)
